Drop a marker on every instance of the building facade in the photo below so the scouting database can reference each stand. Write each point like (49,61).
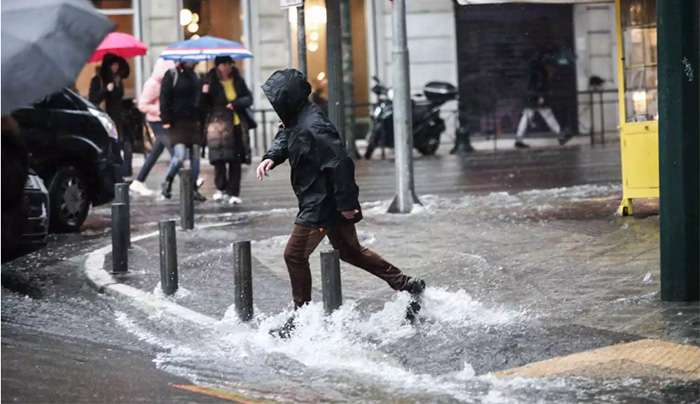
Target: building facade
(439,35)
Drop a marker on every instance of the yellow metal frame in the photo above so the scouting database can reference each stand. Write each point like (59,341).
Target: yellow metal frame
(639,141)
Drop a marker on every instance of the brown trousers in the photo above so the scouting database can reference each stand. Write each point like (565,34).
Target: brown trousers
(343,237)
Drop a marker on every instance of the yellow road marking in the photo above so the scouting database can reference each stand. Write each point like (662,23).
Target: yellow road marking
(650,358)
(218,393)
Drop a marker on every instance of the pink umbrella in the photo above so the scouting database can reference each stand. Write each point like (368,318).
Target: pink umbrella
(120,44)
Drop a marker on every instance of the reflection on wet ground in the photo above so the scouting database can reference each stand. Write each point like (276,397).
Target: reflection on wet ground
(523,256)
(514,278)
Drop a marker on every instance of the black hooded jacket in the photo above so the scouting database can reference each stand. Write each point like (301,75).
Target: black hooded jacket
(99,91)
(323,175)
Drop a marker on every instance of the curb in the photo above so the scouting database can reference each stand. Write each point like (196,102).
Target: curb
(104,282)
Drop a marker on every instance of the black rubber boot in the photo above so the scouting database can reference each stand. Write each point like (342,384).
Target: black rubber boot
(284,331)
(166,188)
(415,287)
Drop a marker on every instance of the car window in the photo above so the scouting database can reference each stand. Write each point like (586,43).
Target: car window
(56,101)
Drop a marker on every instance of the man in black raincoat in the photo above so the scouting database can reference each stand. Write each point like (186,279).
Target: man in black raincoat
(323,179)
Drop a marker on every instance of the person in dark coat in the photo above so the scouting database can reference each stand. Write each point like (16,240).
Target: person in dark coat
(540,70)
(323,179)
(225,98)
(107,86)
(181,116)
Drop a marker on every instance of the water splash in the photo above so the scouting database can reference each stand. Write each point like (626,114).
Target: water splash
(347,343)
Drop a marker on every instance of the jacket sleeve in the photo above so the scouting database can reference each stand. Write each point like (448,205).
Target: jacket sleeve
(149,103)
(244,98)
(97,92)
(339,168)
(278,151)
(166,89)
(205,99)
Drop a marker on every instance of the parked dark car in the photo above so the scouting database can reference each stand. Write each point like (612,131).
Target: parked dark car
(36,208)
(28,229)
(73,148)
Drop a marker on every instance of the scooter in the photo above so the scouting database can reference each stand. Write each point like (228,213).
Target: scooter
(427,124)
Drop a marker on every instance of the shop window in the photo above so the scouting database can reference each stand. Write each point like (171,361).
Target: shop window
(640,65)
(111,4)
(220,18)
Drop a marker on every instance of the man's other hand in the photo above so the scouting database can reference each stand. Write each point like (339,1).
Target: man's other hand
(264,168)
(349,214)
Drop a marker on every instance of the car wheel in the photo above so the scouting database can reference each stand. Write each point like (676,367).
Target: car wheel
(68,196)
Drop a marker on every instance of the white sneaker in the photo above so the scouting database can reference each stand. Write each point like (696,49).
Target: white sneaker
(234,200)
(140,188)
(218,195)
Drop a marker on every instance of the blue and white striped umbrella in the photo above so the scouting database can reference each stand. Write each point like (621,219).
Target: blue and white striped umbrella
(205,48)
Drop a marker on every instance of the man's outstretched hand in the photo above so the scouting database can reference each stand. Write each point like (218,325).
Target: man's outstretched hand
(264,168)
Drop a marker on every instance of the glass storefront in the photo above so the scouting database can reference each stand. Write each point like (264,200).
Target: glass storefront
(121,12)
(638,18)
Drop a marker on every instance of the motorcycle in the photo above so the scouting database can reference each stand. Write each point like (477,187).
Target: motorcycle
(427,124)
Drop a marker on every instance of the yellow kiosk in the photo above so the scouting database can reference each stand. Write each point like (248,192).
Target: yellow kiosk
(637,94)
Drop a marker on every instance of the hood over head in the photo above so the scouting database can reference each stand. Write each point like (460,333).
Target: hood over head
(160,67)
(105,69)
(288,92)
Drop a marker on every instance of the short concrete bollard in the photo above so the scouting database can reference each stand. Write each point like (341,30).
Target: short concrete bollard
(330,280)
(186,199)
(121,195)
(120,242)
(168,257)
(242,278)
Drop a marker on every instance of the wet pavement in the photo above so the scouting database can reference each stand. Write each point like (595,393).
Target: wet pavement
(523,256)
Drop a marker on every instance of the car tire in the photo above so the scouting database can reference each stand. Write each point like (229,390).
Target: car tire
(69,199)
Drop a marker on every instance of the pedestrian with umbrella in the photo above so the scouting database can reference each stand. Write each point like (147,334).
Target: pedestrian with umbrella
(225,98)
(149,104)
(175,101)
(107,86)
(181,115)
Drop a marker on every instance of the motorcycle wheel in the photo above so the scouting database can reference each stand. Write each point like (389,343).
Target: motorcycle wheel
(430,147)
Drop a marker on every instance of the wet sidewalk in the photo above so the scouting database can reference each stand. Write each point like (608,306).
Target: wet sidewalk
(514,278)
(524,259)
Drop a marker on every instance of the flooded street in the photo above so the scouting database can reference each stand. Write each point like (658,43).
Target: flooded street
(514,277)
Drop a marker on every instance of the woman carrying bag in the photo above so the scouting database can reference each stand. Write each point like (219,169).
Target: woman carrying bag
(225,99)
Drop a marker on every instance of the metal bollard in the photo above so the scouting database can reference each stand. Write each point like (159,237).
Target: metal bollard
(186,199)
(242,278)
(121,195)
(168,257)
(330,280)
(120,242)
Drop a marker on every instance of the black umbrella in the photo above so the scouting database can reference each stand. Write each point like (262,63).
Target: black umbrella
(45,43)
